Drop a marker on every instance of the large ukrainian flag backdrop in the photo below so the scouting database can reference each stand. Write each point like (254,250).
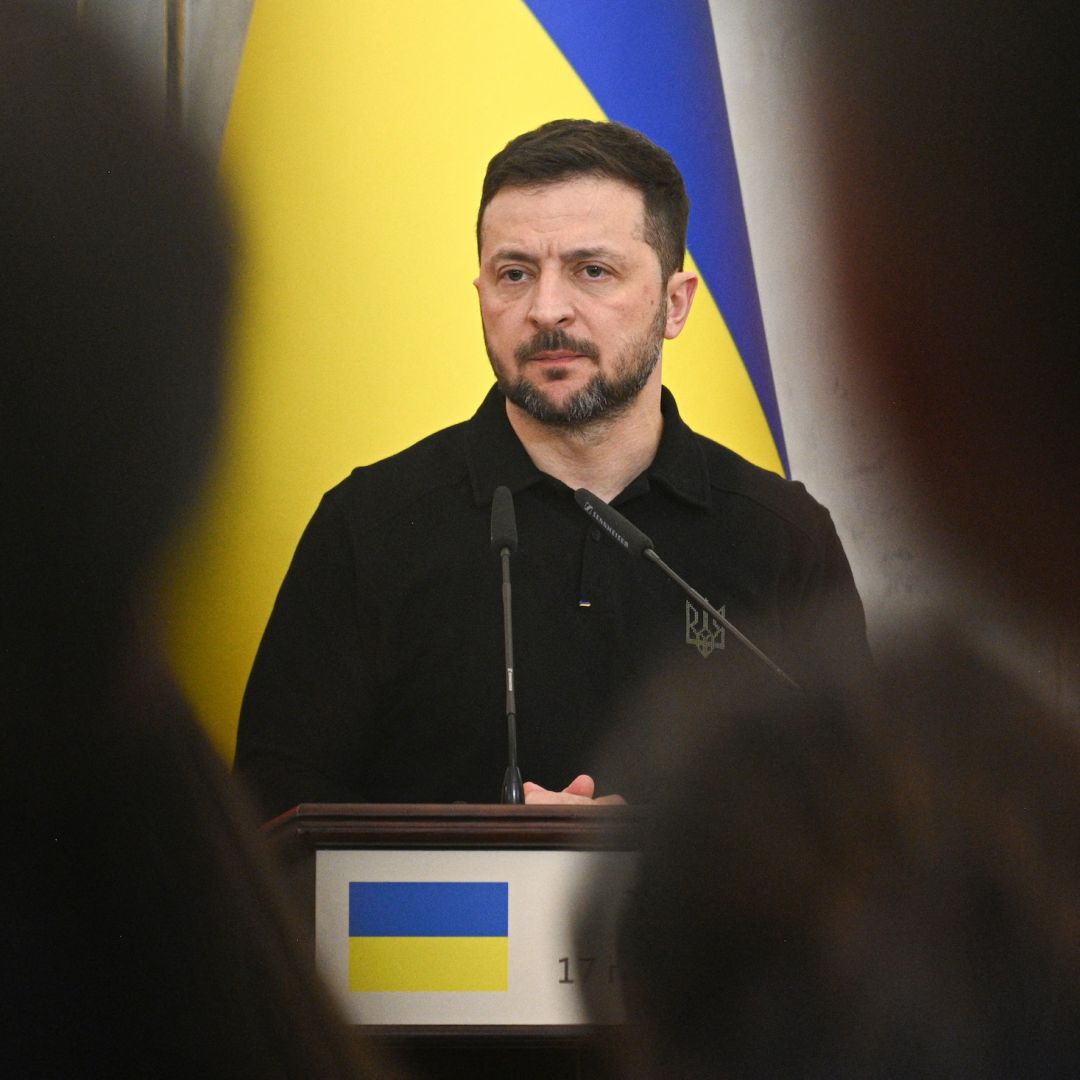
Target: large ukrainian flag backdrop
(356,146)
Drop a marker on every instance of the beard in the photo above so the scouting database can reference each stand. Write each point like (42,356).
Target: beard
(602,397)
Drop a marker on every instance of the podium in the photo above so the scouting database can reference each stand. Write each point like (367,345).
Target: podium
(455,933)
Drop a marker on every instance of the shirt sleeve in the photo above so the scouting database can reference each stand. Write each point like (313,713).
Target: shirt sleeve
(828,625)
(310,696)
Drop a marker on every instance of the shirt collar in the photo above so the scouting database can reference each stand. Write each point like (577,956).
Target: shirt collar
(494,453)
(680,465)
(495,456)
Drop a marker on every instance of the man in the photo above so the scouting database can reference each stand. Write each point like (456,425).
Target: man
(380,676)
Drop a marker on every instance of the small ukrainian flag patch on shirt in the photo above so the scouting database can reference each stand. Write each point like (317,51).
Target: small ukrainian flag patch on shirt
(428,935)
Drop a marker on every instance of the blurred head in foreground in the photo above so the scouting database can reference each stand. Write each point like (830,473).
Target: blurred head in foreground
(948,138)
(892,888)
(860,894)
(142,932)
(115,265)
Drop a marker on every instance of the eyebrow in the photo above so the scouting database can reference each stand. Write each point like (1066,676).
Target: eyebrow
(511,255)
(576,255)
(584,254)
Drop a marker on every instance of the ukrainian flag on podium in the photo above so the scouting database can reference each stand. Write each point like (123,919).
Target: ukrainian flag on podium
(429,936)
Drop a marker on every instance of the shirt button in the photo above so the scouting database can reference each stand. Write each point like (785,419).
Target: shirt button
(594,533)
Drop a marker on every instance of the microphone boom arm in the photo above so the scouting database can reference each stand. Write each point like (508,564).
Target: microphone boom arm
(690,591)
(627,535)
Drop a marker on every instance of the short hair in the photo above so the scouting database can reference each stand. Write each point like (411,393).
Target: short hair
(565,149)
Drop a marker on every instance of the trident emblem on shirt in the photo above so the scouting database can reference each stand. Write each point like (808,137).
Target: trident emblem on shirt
(702,630)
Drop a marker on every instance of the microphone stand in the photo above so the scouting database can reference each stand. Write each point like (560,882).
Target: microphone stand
(504,541)
(512,791)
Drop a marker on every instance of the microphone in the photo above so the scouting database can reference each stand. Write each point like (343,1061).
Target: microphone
(504,544)
(503,522)
(629,536)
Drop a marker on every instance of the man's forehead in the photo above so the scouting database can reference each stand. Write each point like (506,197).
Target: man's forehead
(579,203)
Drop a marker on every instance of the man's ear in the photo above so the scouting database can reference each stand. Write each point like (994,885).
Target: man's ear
(681,287)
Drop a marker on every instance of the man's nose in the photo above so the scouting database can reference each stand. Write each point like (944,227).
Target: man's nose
(551,301)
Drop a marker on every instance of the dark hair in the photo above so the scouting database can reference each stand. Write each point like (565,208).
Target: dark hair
(564,149)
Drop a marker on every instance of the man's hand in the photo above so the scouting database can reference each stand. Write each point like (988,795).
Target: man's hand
(579,790)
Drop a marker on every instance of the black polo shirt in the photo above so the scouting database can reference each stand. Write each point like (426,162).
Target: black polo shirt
(380,674)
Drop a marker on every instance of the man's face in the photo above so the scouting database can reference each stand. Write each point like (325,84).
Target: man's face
(571,298)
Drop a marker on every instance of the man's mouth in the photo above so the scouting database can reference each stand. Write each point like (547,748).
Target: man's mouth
(554,348)
(555,357)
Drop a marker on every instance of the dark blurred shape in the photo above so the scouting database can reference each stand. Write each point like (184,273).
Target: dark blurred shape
(862,892)
(948,142)
(143,933)
(889,886)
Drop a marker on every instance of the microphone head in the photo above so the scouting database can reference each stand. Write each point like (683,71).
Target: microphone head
(623,532)
(503,522)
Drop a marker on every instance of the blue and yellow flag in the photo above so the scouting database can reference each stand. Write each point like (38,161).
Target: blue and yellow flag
(355,148)
(652,65)
(428,936)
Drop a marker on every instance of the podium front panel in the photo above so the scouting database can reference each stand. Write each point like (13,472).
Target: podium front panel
(491,938)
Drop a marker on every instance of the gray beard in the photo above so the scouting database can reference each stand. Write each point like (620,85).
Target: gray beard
(602,398)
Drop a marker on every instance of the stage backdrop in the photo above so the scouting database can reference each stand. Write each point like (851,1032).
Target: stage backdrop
(355,150)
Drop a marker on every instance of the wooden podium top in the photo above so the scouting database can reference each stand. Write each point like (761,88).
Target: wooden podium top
(313,826)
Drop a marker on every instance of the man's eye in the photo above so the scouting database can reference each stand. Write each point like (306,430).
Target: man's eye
(594,272)
(514,273)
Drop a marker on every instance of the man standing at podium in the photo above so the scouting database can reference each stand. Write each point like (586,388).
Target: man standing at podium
(380,676)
